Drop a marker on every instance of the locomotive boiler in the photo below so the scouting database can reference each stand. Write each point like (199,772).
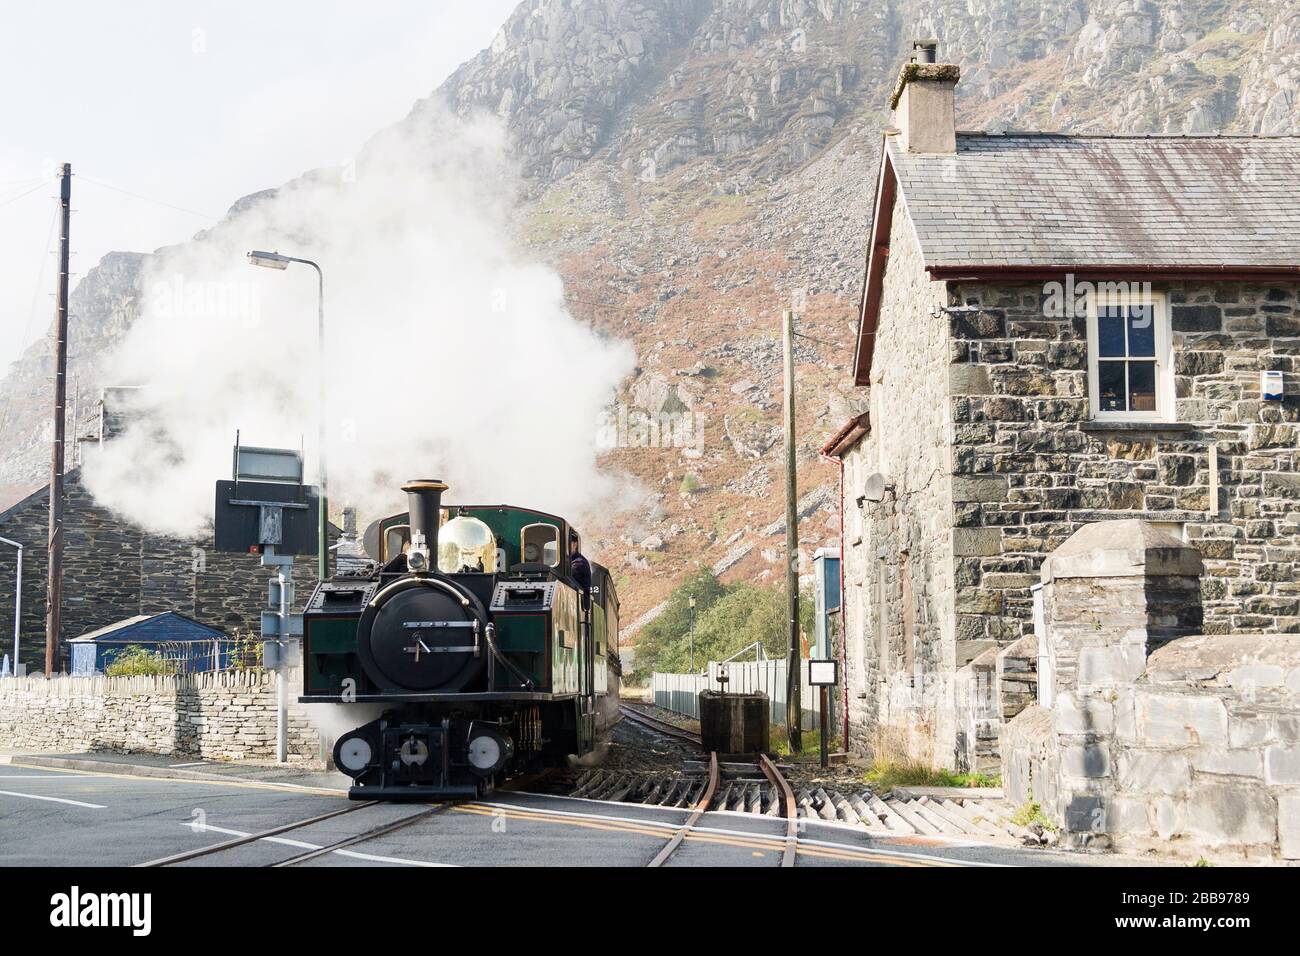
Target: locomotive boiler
(480,635)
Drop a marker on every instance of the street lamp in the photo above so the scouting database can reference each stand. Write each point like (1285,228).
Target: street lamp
(274,260)
(692,603)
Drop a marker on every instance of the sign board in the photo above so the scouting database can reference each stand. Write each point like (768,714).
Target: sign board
(823,673)
(267,464)
(252,514)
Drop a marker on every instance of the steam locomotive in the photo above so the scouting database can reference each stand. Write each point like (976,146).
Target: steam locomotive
(489,656)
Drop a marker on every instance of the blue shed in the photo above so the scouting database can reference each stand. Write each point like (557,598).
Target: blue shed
(190,645)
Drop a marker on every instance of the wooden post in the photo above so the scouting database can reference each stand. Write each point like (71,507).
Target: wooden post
(826,740)
(793,705)
(54,584)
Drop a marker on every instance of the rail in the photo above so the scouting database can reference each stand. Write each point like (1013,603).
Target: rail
(659,726)
(787,804)
(252,837)
(701,806)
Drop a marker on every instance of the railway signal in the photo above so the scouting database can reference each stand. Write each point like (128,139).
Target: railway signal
(265,509)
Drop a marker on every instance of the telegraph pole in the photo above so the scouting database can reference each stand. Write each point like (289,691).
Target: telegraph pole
(54,586)
(793,706)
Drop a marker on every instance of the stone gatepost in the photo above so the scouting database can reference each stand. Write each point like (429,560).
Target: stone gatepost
(1112,593)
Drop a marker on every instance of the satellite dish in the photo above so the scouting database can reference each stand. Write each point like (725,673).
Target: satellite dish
(874,489)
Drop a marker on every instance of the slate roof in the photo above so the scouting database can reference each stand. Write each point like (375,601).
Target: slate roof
(147,628)
(1041,199)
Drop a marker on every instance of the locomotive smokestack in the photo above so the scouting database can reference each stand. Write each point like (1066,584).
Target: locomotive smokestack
(424,498)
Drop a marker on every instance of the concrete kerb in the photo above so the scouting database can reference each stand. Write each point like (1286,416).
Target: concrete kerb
(89,764)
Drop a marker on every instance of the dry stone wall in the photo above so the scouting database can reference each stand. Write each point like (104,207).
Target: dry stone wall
(229,715)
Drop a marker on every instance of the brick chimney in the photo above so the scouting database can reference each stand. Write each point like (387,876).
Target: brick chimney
(923,102)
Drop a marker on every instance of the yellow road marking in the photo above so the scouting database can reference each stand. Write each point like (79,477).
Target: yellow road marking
(755,843)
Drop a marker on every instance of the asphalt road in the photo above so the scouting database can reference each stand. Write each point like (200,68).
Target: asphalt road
(50,817)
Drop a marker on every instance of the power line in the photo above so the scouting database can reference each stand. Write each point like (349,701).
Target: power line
(158,202)
(31,310)
(811,338)
(14,199)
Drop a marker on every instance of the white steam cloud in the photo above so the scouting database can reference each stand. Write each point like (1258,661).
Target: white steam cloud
(450,354)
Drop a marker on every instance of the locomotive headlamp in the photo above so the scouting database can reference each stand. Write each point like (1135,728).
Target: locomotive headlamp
(417,558)
(488,750)
(353,754)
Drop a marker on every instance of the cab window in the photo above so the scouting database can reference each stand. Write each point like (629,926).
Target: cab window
(396,540)
(540,544)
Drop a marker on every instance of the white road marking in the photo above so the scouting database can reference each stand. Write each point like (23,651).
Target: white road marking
(303,845)
(194,763)
(32,796)
(45,776)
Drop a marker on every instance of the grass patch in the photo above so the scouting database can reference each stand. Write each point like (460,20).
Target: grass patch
(556,216)
(886,775)
(779,742)
(717,211)
(1030,813)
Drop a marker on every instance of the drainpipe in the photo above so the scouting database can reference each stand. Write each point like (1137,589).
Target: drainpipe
(18,597)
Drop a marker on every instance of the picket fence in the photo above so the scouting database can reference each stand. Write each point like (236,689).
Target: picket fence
(680,692)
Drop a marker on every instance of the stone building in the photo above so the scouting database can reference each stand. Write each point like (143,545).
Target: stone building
(113,569)
(1057,330)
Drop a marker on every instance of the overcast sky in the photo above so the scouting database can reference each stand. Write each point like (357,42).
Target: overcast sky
(192,104)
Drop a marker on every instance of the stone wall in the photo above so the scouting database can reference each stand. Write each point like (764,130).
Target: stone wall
(1157,740)
(114,570)
(227,715)
(901,655)
(1030,469)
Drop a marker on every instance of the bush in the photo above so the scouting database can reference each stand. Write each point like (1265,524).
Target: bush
(728,617)
(135,661)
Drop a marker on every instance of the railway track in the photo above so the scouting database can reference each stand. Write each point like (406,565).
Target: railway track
(251,838)
(697,811)
(660,726)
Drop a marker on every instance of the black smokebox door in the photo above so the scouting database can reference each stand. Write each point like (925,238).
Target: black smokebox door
(421,640)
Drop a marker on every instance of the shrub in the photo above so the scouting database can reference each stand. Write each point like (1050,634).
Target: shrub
(135,661)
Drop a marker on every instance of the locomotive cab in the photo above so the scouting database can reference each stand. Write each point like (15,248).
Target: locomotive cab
(472,633)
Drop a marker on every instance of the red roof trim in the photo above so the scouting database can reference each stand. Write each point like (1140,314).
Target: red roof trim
(882,225)
(985,273)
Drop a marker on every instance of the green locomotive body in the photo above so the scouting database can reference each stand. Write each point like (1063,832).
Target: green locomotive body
(490,656)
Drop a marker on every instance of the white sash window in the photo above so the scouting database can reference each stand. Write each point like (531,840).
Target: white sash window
(1130,361)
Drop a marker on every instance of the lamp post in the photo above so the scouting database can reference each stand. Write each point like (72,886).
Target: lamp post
(692,603)
(18,597)
(274,260)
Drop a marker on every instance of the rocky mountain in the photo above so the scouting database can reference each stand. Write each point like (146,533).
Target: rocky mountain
(696,166)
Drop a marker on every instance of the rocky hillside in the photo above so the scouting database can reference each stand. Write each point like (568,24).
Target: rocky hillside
(696,166)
